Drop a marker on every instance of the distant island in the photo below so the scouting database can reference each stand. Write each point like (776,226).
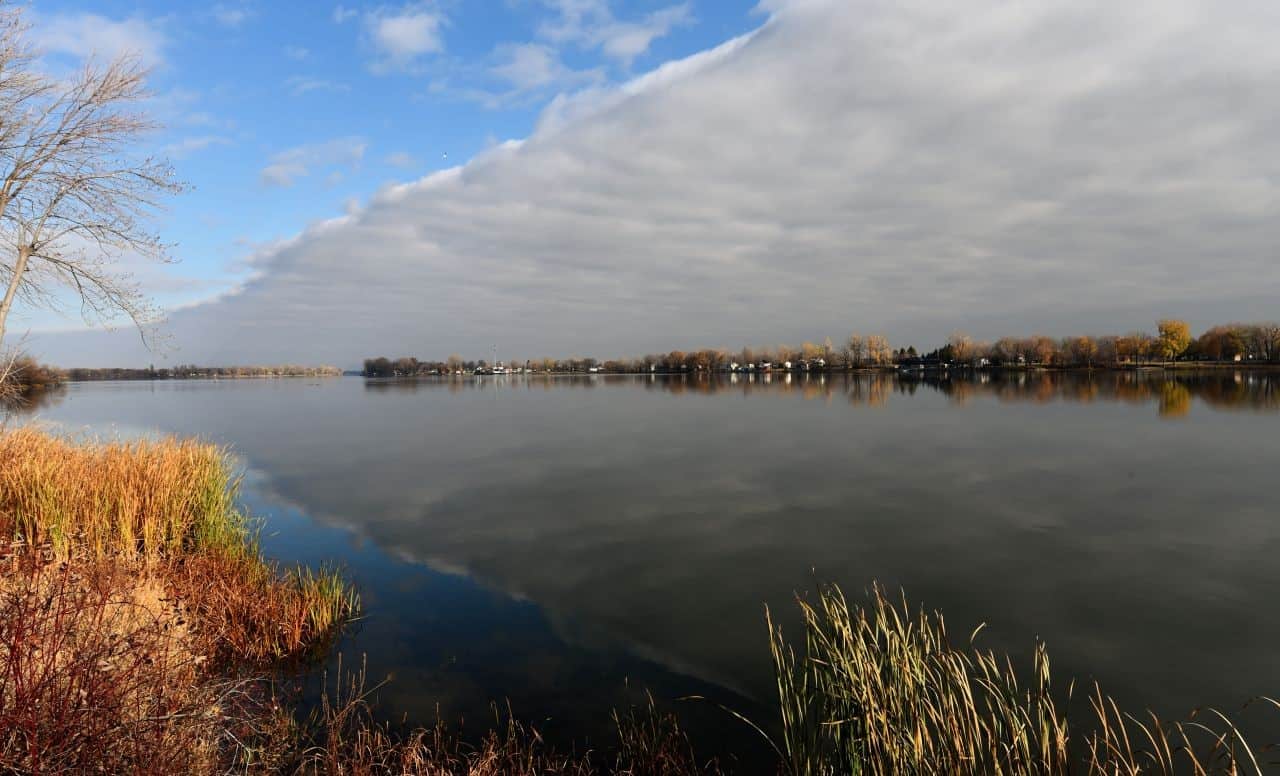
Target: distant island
(1171,346)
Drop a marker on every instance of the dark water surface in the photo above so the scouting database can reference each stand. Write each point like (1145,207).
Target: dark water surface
(567,543)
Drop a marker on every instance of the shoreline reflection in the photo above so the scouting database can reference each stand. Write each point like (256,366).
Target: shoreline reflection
(1173,393)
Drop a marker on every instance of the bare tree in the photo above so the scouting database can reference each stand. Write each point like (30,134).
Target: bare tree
(74,199)
(961,347)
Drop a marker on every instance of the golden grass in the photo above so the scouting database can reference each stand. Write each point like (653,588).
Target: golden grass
(878,689)
(167,505)
(145,499)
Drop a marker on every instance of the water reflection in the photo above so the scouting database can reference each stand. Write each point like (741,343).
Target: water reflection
(1173,393)
(29,402)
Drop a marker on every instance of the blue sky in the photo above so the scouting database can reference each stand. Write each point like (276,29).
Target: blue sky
(282,113)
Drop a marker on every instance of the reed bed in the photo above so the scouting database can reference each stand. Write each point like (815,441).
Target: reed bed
(345,739)
(882,690)
(136,500)
(169,506)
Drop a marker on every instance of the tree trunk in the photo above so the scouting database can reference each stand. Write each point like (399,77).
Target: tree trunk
(19,267)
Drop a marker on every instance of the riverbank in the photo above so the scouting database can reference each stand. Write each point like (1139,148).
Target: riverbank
(143,631)
(140,626)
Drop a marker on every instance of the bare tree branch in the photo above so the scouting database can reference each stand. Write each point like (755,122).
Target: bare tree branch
(74,200)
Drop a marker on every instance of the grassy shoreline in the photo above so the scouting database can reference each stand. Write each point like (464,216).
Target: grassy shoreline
(143,631)
(140,623)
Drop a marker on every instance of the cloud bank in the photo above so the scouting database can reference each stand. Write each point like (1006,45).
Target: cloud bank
(908,166)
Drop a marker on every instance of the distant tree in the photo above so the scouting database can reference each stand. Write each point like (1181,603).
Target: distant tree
(1006,350)
(1264,340)
(1044,350)
(878,350)
(1083,351)
(1222,343)
(1173,338)
(961,346)
(857,349)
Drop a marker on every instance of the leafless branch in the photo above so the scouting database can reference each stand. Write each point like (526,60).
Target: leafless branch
(74,198)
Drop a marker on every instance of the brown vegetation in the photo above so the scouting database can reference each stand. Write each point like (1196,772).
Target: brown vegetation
(132,597)
(22,376)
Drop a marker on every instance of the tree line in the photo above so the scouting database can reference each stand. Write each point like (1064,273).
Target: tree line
(193,372)
(1172,341)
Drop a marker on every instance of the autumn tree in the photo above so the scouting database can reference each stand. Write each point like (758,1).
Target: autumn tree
(1044,350)
(856,348)
(1264,340)
(1006,350)
(961,345)
(1084,350)
(878,350)
(74,199)
(1173,338)
(1222,343)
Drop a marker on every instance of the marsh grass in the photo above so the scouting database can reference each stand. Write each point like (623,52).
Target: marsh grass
(880,689)
(168,506)
(345,737)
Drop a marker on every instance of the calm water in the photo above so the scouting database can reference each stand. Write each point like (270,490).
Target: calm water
(566,544)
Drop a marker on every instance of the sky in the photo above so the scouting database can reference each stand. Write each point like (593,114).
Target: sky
(586,177)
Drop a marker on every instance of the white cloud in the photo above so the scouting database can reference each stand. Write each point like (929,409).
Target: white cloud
(83,35)
(591,23)
(231,15)
(189,145)
(1069,165)
(402,36)
(401,159)
(342,14)
(529,65)
(300,85)
(287,167)
(297,53)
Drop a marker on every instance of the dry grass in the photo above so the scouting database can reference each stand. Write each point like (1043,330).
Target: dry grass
(135,609)
(168,506)
(881,690)
(346,740)
(145,499)
(99,672)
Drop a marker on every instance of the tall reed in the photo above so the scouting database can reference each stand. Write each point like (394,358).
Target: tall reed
(168,505)
(879,689)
